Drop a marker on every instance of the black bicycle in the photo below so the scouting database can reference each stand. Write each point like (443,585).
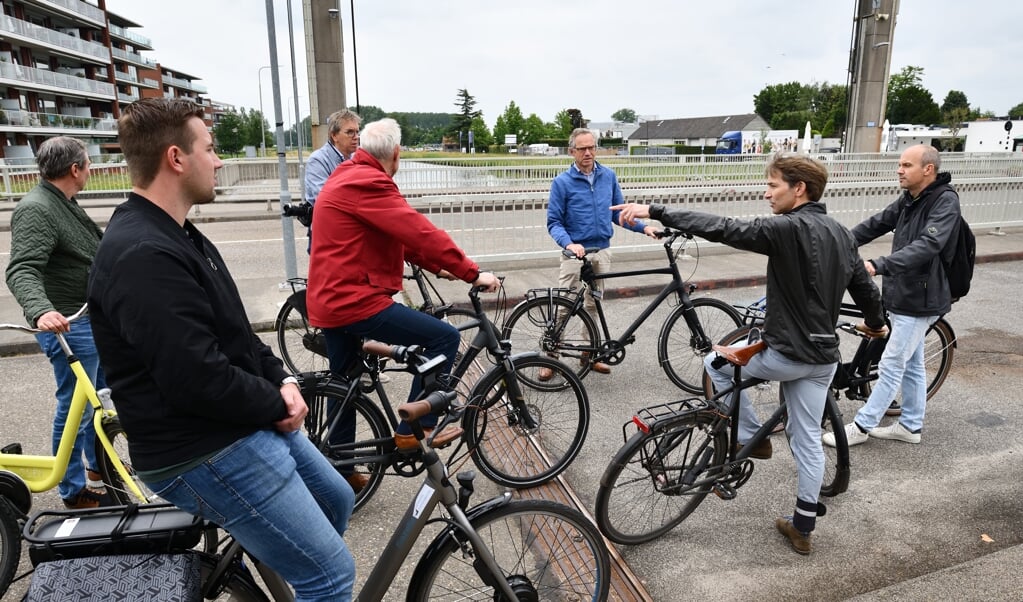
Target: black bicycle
(678,452)
(554,321)
(519,430)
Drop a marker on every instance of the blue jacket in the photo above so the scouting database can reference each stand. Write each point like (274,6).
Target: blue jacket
(318,168)
(580,213)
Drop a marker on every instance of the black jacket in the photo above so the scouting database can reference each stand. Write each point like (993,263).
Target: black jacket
(812,262)
(188,375)
(914,282)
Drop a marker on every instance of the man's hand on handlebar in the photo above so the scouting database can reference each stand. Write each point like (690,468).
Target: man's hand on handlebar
(872,333)
(576,249)
(488,282)
(53,321)
(630,212)
(652,231)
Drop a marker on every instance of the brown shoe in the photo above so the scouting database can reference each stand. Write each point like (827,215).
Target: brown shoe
(598,367)
(763,451)
(408,442)
(800,541)
(544,374)
(87,498)
(358,481)
(894,410)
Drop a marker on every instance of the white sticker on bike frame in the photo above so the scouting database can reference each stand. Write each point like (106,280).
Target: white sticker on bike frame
(422,499)
(66,527)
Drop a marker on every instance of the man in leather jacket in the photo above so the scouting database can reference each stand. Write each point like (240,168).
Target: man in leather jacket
(812,263)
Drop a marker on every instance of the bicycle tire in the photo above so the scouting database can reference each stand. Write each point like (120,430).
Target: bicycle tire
(299,343)
(678,353)
(10,545)
(240,585)
(371,431)
(115,486)
(641,494)
(505,447)
(546,550)
(457,316)
(529,326)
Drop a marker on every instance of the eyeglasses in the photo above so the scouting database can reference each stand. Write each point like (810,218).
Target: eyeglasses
(350,133)
(585,149)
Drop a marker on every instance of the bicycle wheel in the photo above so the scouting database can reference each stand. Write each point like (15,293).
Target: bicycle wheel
(239,585)
(118,491)
(459,318)
(656,480)
(526,438)
(546,324)
(678,350)
(371,431)
(301,345)
(546,551)
(10,545)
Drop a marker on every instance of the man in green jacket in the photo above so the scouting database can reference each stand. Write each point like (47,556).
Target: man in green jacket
(53,243)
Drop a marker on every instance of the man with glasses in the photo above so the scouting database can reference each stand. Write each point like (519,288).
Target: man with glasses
(342,140)
(579,216)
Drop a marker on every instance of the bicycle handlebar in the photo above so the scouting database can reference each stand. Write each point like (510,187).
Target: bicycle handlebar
(434,403)
(82,311)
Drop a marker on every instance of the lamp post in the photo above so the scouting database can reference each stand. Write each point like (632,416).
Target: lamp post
(262,133)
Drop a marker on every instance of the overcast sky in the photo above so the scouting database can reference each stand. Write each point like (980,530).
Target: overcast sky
(664,58)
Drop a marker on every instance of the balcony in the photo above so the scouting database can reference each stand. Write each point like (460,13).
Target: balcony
(20,77)
(184,83)
(16,120)
(75,8)
(133,57)
(138,40)
(52,39)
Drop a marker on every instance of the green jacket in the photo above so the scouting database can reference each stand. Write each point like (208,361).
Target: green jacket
(53,243)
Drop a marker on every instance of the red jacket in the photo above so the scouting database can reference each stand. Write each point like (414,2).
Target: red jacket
(365,230)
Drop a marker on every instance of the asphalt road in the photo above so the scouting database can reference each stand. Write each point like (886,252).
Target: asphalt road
(939,520)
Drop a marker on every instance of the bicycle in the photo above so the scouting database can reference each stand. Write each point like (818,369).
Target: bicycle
(683,450)
(518,430)
(21,475)
(554,321)
(301,345)
(854,377)
(501,549)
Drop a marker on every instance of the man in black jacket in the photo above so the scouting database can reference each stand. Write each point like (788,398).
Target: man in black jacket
(812,263)
(915,291)
(211,416)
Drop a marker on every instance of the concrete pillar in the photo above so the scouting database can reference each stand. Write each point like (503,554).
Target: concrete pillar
(869,69)
(324,47)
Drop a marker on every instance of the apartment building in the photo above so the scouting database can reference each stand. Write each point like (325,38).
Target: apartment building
(68,67)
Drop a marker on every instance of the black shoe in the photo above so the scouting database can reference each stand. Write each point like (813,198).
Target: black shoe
(894,410)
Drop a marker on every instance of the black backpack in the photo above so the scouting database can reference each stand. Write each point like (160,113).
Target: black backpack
(958,258)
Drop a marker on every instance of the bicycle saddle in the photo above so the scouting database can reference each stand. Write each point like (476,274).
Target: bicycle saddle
(740,355)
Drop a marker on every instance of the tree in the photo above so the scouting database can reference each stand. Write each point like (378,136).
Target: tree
(228,132)
(624,116)
(370,113)
(955,100)
(255,129)
(562,126)
(789,106)
(481,138)
(908,100)
(509,122)
(462,121)
(533,130)
(576,116)
(1016,112)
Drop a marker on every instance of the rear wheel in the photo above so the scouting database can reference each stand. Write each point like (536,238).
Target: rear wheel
(679,351)
(547,324)
(301,345)
(10,544)
(656,480)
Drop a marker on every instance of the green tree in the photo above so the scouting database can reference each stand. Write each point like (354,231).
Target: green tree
(229,132)
(370,113)
(1016,112)
(624,116)
(255,129)
(781,98)
(955,100)
(908,100)
(789,106)
(481,137)
(462,121)
(509,122)
(533,130)
(562,126)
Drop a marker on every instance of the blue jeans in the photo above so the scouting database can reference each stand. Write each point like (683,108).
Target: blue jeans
(79,338)
(396,325)
(805,387)
(901,365)
(281,499)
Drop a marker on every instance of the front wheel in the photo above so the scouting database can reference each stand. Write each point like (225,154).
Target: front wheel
(10,544)
(545,550)
(550,325)
(657,479)
(680,350)
(525,427)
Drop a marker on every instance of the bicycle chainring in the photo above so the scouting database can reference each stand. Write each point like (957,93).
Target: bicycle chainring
(612,352)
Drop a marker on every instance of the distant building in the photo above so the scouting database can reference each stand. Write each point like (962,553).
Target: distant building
(702,132)
(68,67)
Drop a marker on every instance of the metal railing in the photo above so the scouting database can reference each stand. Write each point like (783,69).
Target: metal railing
(43,77)
(34,32)
(15,118)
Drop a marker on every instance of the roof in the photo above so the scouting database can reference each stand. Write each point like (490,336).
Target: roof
(698,127)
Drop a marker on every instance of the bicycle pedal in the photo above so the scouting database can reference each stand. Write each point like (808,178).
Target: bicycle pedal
(724,491)
(11,448)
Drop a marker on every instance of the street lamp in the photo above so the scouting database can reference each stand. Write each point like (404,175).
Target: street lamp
(262,133)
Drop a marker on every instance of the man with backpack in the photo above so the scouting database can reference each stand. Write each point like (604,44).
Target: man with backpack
(915,290)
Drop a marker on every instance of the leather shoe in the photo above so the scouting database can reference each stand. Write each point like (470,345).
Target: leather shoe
(800,541)
(358,481)
(409,443)
(598,367)
(763,451)
(544,374)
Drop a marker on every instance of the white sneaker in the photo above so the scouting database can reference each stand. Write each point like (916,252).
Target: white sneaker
(853,435)
(895,431)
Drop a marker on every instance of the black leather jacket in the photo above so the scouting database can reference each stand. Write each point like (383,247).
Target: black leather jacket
(812,262)
(914,282)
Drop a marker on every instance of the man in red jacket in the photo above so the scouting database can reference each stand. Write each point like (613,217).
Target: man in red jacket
(365,231)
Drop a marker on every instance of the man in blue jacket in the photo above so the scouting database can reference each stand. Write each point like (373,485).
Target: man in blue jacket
(915,291)
(579,216)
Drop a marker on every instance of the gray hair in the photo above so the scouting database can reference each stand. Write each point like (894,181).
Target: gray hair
(576,133)
(337,119)
(930,156)
(56,156)
(380,137)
